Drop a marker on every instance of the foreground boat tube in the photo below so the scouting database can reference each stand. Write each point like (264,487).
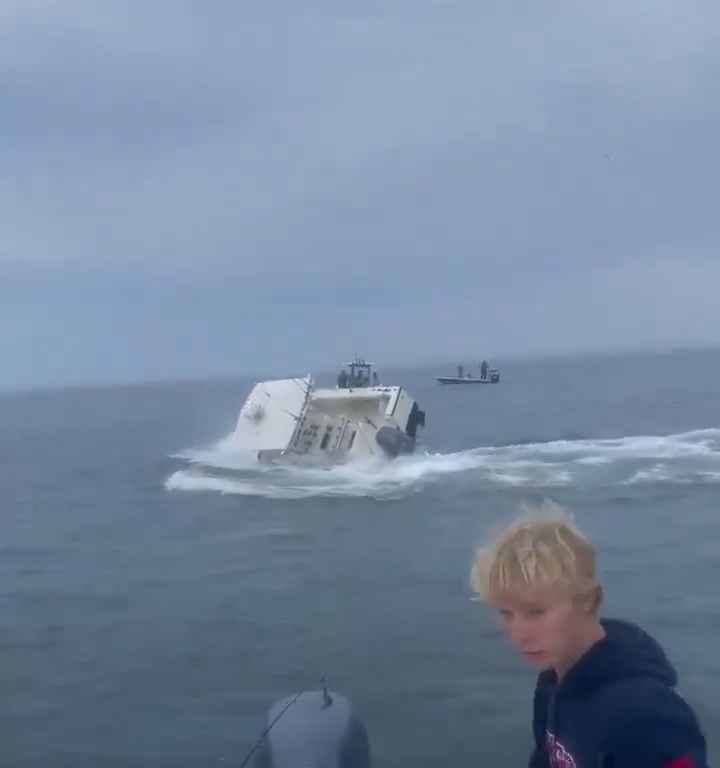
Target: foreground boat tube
(313,729)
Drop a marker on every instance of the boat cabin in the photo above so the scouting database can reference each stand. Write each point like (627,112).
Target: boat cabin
(358,373)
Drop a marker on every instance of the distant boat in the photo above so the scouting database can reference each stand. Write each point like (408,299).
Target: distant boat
(293,421)
(487,376)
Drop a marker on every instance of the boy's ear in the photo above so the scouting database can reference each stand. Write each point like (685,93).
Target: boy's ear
(594,600)
(591,601)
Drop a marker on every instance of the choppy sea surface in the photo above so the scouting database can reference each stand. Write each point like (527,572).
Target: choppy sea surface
(159,591)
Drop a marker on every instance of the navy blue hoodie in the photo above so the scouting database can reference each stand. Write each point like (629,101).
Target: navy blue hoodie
(616,708)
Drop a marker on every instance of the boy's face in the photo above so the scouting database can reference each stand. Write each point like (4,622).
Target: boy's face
(543,629)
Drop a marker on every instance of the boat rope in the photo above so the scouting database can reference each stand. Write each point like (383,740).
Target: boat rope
(267,730)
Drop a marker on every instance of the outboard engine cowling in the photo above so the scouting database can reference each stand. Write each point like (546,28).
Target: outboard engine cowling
(313,729)
(394,441)
(415,420)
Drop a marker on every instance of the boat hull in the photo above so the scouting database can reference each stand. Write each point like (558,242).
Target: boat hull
(290,421)
(466,380)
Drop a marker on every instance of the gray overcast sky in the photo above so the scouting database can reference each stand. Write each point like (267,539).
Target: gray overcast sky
(197,188)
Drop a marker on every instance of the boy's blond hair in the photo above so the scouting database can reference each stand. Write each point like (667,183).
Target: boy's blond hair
(541,555)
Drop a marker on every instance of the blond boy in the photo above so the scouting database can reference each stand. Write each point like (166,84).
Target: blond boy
(605,694)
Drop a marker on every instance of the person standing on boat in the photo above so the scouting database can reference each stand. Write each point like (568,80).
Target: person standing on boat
(605,695)
(483,369)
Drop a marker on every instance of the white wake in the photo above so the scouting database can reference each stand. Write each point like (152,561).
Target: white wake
(688,457)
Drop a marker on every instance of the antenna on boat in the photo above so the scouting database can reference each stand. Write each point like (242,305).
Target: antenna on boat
(327,698)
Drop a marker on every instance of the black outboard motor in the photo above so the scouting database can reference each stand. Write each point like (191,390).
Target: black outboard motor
(394,441)
(313,729)
(415,420)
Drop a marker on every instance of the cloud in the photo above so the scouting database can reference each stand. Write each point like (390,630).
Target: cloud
(395,160)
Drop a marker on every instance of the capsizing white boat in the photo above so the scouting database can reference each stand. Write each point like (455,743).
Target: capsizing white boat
(293,421)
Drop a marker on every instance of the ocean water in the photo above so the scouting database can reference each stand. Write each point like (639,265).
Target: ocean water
(158,593)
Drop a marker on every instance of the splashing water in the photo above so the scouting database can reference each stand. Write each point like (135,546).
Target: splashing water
(679,458)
